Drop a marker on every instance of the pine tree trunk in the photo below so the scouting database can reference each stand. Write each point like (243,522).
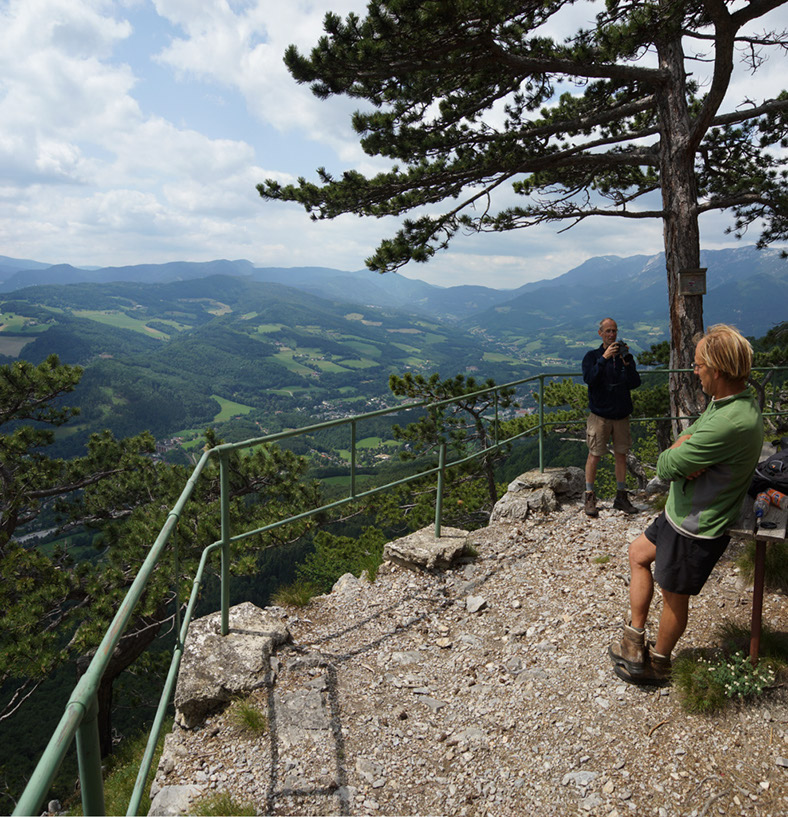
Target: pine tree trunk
(682,234)
(130,647)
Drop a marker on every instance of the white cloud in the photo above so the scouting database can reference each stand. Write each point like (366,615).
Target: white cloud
(243,49)
(97,169)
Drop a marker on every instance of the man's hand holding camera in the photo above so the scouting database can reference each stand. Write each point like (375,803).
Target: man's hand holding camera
(618,349)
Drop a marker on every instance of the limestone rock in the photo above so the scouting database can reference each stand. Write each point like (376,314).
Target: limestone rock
(347,583)
(422,551)
(538,491)
(473,604)
(214,668)
(657,486)
(172,800)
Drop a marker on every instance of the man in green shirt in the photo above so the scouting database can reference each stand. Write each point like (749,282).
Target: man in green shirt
(709,468)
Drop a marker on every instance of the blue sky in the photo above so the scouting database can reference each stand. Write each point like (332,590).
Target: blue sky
(135,131)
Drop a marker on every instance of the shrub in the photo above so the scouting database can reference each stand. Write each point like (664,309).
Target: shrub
(706,684)
(708,679)
(336,555)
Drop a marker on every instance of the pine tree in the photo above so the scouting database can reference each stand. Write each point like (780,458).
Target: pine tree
(589,128)
(56,610)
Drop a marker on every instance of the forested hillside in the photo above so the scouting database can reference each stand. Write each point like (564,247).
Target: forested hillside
(181,355)
(178,356)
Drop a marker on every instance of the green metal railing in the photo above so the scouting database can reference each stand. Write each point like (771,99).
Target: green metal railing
(79,720)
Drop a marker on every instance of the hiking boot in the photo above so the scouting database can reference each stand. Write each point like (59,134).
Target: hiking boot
(622,503)
(630,652)
(590,504)
(656,673)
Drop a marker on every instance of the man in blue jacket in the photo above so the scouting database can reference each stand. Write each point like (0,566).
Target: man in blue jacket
(709,468)
(610,373)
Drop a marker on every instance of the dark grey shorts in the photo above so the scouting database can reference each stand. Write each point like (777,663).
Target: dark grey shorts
(683,563)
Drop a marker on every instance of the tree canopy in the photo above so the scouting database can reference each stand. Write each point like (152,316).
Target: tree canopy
(121,494)
(466,97)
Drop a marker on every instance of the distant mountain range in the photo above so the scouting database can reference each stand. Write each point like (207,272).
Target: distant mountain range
(746,287)
(179,346)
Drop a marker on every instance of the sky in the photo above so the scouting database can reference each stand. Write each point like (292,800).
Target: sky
(135,132)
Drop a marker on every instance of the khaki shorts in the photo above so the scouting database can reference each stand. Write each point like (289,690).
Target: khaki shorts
(599,430)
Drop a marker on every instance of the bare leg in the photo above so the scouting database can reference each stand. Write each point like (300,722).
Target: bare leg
(672,622)
(641,586)
(592,463)
(621,467)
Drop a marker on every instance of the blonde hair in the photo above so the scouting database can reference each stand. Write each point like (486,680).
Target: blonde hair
(724,349)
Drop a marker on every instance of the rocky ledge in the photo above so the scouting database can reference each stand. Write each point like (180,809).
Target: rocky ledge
(473,685)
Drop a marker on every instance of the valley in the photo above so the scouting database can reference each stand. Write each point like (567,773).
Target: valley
(176,348)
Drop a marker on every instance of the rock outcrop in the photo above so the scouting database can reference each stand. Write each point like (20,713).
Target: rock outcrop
(538,491)
(216,668)
(423,551)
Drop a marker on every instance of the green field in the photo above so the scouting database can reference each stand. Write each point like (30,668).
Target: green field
(120,320)
(364,363)
(20,325)
(286,359)
(411,350)
(344,482)
(327,366)
(229,409)
(366,349)
(369,442)
(497,357)
(291,392)
(12,345)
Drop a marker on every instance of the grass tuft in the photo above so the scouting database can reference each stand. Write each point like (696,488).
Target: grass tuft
(222,805)
(707,680)
(698,691)
(249,718)
(775,566)
(297,594)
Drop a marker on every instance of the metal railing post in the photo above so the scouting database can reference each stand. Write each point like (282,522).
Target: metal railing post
(224,480)
(439,495)
(177,574)
(352,458)
(89,760)
(541,423)
(495,428)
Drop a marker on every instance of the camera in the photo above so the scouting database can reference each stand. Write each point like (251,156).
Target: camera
(622,350)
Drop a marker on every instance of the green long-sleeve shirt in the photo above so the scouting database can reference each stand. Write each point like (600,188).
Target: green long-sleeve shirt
(726,441)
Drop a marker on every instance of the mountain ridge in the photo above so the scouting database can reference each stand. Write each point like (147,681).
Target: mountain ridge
(643,275)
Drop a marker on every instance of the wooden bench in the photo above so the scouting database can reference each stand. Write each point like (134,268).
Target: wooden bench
(769,529)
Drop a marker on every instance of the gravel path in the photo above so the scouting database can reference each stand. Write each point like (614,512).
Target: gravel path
(394,698)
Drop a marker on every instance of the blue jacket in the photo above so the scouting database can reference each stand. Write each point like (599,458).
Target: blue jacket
(609,383)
